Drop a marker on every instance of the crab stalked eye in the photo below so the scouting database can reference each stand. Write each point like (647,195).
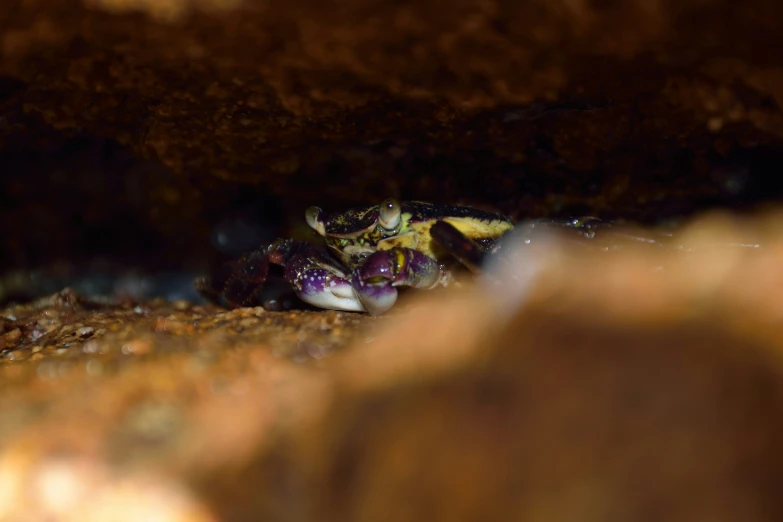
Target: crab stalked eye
(389,214)
(315,220)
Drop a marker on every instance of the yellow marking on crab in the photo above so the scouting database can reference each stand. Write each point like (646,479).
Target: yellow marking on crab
(417,235)
(399,262)
(405,221)
(478,229)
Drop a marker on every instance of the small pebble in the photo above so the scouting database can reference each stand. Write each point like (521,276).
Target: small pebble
(137,347)
(17,355)
(90,347)
(13,336)
(85,331)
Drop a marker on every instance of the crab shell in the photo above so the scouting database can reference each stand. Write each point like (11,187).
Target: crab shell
(354,234)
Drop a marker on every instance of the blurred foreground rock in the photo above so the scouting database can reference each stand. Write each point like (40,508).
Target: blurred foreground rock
(640,384)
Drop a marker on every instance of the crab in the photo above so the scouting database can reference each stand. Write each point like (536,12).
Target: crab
(368,254)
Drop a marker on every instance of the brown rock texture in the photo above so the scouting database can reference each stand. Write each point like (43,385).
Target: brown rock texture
(137,126)
(140,140)
(589,384)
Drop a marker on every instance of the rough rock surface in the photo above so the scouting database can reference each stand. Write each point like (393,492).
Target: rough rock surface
(132,127)
(587,384)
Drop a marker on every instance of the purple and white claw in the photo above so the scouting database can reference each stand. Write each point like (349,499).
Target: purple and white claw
(324,289)
(375,281)
(317,282)
(376,298)
(400,267)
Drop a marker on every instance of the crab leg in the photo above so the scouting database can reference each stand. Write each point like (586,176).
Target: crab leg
(237,282)
(465,250)
(376,280)
(316,277)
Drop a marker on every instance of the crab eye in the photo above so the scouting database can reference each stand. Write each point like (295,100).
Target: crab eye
(315,220)
(389,214)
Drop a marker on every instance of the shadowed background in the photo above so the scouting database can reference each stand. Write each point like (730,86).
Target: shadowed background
(155,133)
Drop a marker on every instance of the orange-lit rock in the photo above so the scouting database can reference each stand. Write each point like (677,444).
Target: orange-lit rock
(590,384)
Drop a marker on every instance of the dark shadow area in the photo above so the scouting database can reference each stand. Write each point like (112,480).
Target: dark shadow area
(74,204)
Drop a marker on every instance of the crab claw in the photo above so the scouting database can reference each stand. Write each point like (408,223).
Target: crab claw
(376,298)
(325,289)
(318,280)
(376,280)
